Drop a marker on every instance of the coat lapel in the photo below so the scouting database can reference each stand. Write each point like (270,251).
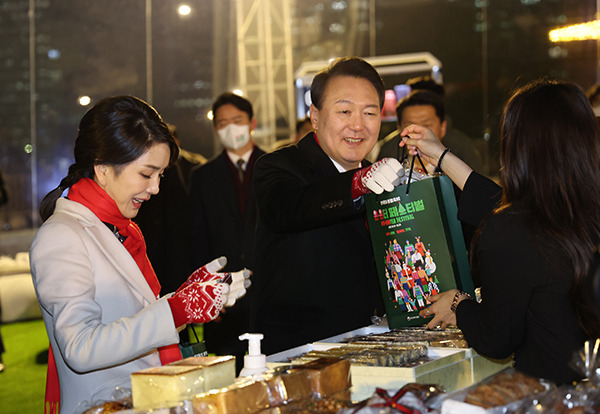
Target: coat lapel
(322,166)
(122,260)
(112,248)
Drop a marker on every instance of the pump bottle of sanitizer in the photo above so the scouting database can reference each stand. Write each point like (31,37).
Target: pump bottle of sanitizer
(255,363)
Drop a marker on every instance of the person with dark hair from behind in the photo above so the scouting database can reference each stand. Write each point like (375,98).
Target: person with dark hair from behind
(303,127)
(99,296)
(224,212)
(457,141)
(314,269)
(535,248)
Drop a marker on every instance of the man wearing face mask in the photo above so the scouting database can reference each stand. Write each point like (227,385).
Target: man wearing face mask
(224,212)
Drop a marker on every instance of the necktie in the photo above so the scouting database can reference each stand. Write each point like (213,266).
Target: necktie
(240,166)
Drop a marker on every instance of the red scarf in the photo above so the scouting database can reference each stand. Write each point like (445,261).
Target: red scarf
(89,193)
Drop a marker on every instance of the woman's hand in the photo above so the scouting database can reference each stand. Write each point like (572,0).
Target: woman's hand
(420,140)
(441,309)
(206,273)
(198,302)
(238,283)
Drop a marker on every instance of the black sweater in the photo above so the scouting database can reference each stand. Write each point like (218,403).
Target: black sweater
(525,307)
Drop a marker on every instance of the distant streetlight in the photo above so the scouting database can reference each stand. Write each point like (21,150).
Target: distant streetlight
(184,9)
(84,100)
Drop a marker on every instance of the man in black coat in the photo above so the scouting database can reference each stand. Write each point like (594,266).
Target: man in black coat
(224,213)
(315,274)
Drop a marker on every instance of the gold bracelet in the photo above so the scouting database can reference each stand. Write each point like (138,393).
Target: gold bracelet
(457,298)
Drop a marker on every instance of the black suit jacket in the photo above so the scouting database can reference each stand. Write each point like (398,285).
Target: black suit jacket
(220,229)
(218,226)
(315,274)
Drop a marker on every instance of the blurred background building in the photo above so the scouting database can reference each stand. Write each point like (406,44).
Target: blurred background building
(58,57)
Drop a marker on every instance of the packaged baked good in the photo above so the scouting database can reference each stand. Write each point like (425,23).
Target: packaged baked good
(293,385)
(245,396)
(503,389)
(286,385)
(328,375)
(168,385)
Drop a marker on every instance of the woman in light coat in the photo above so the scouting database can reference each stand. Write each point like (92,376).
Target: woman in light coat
(99,296)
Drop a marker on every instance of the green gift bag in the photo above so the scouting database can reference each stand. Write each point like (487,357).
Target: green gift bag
(419,247)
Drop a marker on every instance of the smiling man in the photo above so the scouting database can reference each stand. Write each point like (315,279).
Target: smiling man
(314,270)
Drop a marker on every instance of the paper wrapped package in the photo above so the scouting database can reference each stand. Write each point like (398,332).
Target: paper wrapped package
(285,385)
(168,385)
(244,397)
(328,375)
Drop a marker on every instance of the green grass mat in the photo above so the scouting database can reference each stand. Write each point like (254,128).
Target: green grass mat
(23,382)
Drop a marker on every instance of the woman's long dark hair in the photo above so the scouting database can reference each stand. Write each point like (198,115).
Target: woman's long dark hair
(550,168)
(115,131)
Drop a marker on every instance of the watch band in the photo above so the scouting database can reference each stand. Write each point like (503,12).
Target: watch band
(460,295)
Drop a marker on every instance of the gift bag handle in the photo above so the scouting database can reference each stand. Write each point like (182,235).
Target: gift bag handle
(412,164)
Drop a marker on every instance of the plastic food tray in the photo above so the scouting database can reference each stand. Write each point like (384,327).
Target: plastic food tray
(452,368)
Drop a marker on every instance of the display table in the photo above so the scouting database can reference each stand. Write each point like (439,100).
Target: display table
(451,367)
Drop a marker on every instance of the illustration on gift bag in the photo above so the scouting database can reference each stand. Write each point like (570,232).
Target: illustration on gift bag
(410,274)
(419,247)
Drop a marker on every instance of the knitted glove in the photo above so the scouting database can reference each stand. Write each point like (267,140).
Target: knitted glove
(207,272)
(382,176)
(198,302)
(239,281)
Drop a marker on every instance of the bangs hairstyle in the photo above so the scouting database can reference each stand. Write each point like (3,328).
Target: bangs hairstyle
(353,67)
(115,132)
(119,130)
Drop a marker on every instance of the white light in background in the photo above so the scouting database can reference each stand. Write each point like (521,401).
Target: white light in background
(84,100)
(307,98)
(583,31)
(184,9)
(53,54)
(338,5)
(210,115)
(238,92)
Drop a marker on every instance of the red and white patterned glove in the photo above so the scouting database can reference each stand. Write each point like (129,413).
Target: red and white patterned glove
(382,176)
(198,302)
(207,273)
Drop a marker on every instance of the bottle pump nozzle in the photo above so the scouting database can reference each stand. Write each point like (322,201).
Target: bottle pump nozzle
(253,342)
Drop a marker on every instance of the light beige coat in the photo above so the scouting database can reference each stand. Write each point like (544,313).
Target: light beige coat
(102,319)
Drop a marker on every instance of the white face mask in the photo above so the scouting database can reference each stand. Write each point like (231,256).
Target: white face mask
(234,136)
